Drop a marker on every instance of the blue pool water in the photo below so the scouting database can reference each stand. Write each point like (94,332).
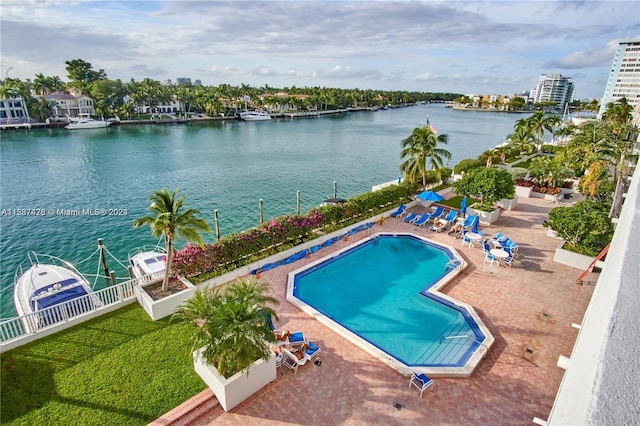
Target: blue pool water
(377,290)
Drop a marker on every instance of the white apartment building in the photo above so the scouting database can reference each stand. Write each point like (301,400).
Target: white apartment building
(624,78)
(553,88)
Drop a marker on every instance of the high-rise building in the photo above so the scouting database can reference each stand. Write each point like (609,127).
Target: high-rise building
(624,78)
(553,88)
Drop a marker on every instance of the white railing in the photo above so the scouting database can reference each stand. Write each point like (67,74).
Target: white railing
(51,319)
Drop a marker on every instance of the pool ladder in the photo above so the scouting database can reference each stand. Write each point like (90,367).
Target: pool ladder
(453,264)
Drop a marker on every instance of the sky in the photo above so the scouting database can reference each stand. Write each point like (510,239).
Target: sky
(480,47)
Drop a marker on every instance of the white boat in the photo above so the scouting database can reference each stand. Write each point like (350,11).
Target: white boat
(255,115)
(53,288)
(84,121)
(147,260)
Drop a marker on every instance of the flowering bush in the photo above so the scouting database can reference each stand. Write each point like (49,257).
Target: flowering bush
(200,263)
(524,182)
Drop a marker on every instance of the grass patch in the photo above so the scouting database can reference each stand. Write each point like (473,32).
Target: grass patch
(120,368)
(456,201)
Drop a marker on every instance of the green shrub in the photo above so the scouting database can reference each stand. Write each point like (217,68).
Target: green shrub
(585,227)
(466,165)
(489,185)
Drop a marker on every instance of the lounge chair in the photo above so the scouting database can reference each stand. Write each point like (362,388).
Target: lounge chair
(401,210)
(453,214)
(411,217)
(293,339)
(437,213)
(422,220)
(421,381)
(291,361)
(311,351)
(438,225)
(498,236)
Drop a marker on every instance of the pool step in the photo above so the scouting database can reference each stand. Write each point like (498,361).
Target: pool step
(449,351)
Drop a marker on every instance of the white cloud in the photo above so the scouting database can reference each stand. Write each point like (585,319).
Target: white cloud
(499,46)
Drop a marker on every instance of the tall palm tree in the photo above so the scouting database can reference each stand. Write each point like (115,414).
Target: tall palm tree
(233,324)
(420,147)
(539,122)
(168,221)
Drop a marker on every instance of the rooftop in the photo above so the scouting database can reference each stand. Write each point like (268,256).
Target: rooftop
(530,306)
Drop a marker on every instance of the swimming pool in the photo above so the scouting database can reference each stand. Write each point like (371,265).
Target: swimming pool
(382,294)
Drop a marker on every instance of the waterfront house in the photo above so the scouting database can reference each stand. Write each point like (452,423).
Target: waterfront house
(69,104)
(13,112)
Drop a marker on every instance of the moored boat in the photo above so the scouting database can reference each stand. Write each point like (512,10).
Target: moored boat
(147,260)
(84,121)
(53,288)
(255,116)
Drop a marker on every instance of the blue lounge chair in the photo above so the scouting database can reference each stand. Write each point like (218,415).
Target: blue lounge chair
(410,217)
(422,220)
(453,214)
(421,381)
(436,214)
(498,236)
(312,350)
(401,210)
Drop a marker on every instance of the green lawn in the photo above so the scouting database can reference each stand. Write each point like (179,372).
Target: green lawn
(455,201)
(121,368)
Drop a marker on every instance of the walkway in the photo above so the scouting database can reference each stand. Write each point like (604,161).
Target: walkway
(531,306)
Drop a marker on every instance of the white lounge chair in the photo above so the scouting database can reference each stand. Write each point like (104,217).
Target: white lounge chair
(421,381)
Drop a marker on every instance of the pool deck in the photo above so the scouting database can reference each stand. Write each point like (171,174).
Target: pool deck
(532,305)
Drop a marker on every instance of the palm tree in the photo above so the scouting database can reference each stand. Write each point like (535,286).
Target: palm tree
(539,122)
(420,147)
(169,222)
(522,137)
(233,324)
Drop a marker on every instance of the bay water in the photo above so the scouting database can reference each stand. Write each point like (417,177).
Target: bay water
(78,186)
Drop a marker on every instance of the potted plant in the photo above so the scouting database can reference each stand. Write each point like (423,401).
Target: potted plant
(231,335)
(489,185)
(169,219)
(586,230)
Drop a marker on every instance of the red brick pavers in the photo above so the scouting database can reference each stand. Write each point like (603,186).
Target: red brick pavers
(531,305)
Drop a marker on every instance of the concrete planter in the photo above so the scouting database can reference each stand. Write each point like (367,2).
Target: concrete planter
(232,391)
(486,218)
(524,191)
(569,258)
(509,203)
(164,307)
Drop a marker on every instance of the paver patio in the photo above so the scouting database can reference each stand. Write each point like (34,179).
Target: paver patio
(532,305)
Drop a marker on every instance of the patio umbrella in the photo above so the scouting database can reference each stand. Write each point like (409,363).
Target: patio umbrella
(475,225)
(463,205)
(430,196)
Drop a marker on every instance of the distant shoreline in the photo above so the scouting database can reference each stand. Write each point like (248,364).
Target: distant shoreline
(519,111)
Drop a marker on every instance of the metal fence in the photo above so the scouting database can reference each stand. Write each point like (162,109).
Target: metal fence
(54,318)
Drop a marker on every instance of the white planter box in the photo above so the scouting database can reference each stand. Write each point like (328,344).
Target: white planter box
(509,203)
(486,218)
(524,191)
(232,391)
(164,307)
(569,258)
